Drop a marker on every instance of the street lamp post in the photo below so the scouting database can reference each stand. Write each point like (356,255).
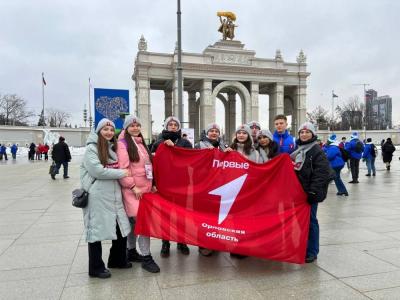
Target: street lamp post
(179,65)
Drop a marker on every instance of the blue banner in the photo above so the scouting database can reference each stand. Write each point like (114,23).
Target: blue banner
(110,103)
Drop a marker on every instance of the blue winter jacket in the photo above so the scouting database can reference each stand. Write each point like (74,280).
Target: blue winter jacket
(3,149)
(14,149)
(334,156)
(285,141)
(351,146)
(367,154)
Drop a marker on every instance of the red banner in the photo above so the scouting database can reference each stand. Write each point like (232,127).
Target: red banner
(225,202)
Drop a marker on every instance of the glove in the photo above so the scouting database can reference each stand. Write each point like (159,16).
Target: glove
(312,198)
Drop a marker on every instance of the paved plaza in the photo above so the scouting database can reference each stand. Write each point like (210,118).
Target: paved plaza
(44,256)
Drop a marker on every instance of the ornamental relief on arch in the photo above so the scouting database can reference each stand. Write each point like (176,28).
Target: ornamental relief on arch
(237,59)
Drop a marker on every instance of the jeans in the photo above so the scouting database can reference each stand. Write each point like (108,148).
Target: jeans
(65,166)
(313,234)
(355,167)
(371,165)
(338,181)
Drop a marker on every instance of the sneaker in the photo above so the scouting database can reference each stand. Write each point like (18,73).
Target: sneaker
(133,256)
(310,259)
(149,264)
(183,248)
(205,251)
(103,275)
(373,174)
(165,249)
(53,176)
(66,177)
(367,174)
(351,181)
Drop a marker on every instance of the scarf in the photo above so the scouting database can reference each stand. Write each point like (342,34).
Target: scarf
(299,155)
(169,135)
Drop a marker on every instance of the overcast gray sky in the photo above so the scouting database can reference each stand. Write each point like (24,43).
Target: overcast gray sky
(346,42)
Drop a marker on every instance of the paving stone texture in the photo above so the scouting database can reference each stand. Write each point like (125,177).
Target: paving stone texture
(43,254)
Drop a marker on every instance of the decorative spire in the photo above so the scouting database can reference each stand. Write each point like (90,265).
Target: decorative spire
(301,59)
(142,45)
(278,55)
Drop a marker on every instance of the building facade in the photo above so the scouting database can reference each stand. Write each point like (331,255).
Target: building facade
(378,111)
(223,70)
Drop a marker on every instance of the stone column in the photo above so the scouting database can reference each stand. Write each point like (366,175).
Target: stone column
(231,116)
(254,101)
(175,97)
(167,103)
(143,105)
(197,120)
(275,103)
(299,115)
(207,105)
(192,111)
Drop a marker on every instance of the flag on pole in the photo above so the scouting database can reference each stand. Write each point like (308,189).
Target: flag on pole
(44,81)
(334,95)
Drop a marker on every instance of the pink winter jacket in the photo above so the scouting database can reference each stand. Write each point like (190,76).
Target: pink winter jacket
(137,175)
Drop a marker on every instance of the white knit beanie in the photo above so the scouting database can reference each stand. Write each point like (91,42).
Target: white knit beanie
(307,126)
(129,120)
(252,124)
(213,126)
(169,119)
(104,122)
(265,132)
(244,127)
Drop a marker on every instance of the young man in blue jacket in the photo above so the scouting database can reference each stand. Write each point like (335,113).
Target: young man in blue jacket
(285,141)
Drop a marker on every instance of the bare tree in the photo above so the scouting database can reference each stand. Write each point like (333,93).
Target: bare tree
(57,117)
(13,110)
(352,113)
(319,116)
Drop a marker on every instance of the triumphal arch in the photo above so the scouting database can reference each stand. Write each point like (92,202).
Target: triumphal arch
(223,70)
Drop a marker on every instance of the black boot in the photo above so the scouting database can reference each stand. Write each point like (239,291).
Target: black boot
(165,249)
(133,256)
(183,248)
(149,264)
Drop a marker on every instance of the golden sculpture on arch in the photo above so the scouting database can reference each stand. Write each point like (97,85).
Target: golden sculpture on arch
(227,27)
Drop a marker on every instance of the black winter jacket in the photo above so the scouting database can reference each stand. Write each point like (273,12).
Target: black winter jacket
(387,151)
(61,153)
(315,174)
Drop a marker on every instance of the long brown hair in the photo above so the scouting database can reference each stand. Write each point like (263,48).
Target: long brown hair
(103,150)
(248,144)
(133,152)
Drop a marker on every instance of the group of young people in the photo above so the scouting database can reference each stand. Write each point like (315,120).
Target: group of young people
(117,171)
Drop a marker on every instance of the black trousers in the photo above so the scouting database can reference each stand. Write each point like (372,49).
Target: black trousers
(117,254)
(354,167)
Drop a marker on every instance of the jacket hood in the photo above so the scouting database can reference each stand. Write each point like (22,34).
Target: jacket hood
(92,138)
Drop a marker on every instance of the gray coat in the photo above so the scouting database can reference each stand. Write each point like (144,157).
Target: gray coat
(105,206)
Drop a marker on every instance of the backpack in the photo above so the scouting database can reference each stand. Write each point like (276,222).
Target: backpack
(374,150)
(358,148)
(345,154)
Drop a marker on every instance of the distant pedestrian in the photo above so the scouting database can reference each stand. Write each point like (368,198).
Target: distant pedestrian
(355,148)
(3,152)
(31,153)
(387,152)
(369,156)
(46,151)
(337,163)
(37,152)
(14,150)
(61,156)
